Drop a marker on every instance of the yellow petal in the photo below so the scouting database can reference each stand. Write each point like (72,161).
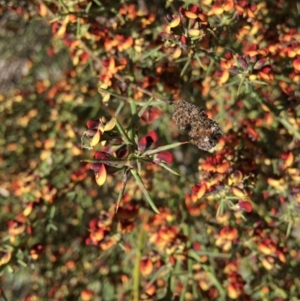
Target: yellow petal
(176,54)
(106,97)
(110,125)
(190,15)
(201,191)
(101,175)
(175,22)
(194,32)
(63,27)
(95,140)
(237,192)
(289,160)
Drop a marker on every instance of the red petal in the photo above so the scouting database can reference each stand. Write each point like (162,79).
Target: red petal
(151,114)
(252,133)
(147,140)
(183,40)
(194,8)
(95,166)
(92,124)
(122,152)
(245,205)
(164,156)
(101,156)
(153,135)
(242,63)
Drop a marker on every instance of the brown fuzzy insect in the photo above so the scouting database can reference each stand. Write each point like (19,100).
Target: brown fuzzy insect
(202,131)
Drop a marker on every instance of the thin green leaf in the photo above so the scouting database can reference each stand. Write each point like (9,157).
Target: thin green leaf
(144,107)
(88,7)
(134,120)
(118,96)
(63,5)
(161,57)
(184,289)
(288,126)
(84,29)
(216,282)
(184,68)
(133,107)
(240,86)
(110,162)
(165,166)
(124,182)
(163,148)
(157,274)
(52,212)
(98,3)
(144,190)
(3,294)
(289,229)
(123,134)
(220,210)
(199,61)
(210,66)
(22,263)
(280,292)
(149,53)
(196,255)
(258,82)
(119,109)
(78,28)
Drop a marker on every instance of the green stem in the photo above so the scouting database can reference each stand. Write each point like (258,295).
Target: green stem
(136,271)
(122,132)
(3,295)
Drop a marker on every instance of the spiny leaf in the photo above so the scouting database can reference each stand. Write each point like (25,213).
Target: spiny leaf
(165,166)
(144,107)
(143,188)
(163,148)
(123,134)
(124,182)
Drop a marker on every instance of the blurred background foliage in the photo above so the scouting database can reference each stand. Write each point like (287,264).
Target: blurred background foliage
(229,225)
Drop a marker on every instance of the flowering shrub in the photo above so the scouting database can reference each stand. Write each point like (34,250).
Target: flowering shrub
(184,184)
